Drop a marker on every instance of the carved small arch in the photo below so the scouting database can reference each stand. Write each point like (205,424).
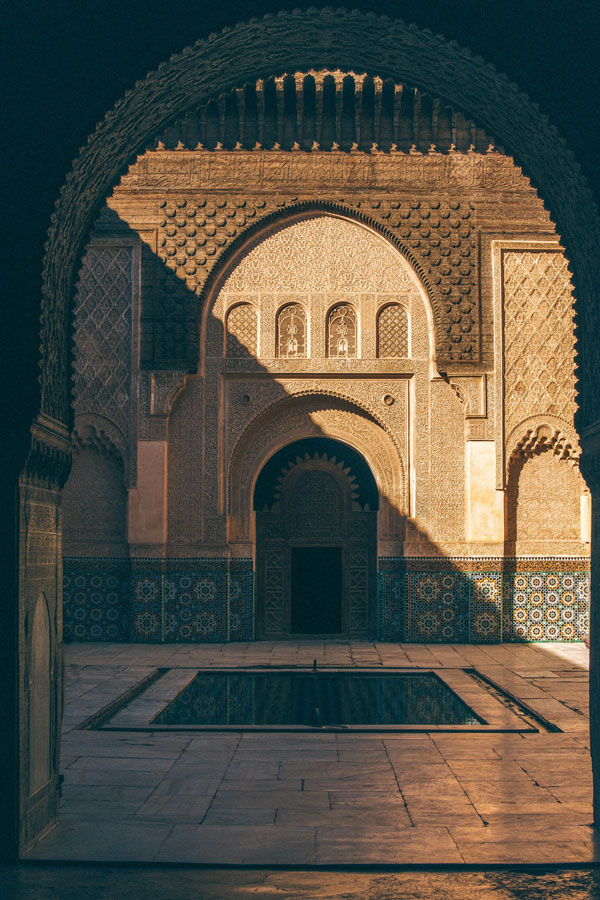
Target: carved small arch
(241,331)
(537,436)
(393,340)
(87,435)
(291,332)
(342,331)
(325,453)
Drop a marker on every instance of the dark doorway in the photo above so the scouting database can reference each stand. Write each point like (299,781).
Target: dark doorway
(316,541)
(316,590)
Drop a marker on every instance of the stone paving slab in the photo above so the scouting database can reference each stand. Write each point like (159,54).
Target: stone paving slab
(429,797)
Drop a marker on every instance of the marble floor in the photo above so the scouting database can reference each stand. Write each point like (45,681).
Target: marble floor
(429,798)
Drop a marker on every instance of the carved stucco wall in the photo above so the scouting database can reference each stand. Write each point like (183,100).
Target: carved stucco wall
(185,482)
(446,494)
(102,338)
(539,340)
(318,259)
(544,486)
(94,504)
(305,261)
(197,229)
(318,263)
(544,503)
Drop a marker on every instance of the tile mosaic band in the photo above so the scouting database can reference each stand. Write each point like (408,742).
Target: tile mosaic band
(420,600)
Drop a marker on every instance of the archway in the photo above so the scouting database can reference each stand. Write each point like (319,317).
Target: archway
(316,507)
(347,39)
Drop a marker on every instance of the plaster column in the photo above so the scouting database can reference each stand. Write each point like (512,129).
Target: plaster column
(485,504)
(148,501)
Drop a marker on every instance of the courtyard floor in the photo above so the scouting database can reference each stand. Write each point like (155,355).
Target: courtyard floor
(430,798)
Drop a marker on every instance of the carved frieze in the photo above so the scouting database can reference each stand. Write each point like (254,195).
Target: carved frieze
(243,170)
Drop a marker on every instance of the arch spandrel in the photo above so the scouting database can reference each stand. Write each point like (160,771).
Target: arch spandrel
(319,262)
(316,415)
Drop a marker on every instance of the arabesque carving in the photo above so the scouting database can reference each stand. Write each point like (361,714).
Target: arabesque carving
(296,418)
(102,336)
(317,264)
(437,237)
(538,435)
(539,341)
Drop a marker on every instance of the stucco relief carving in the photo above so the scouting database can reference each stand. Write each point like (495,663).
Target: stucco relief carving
(199,169)
(290,327)
(102,338)
(249,400)
(540,433)
(471,390)
(98,433)
(320,263)
(164,387)
(437,237)
(313,415)
(539,342)
(319,255)
(241,332)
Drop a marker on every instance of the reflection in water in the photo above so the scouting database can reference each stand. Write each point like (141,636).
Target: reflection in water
(316,699)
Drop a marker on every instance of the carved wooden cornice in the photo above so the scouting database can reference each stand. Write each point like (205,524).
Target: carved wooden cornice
(325,110)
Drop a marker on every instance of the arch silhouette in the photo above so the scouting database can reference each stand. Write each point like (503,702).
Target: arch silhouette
(293,41)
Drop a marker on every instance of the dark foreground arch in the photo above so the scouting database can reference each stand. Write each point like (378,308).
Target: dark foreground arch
(290,41)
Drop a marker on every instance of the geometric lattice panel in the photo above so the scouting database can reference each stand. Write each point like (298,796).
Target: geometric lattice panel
(485,608)
(392,332)
(242,331)
(391,606)
(453,600)
(437,607)
(155,601)
(483,600)
(241,606)
(102,335)
(146,608)
(539,352)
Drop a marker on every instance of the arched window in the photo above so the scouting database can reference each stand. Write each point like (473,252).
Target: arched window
(291,331)
(242,331)
(341,331)
(392,332)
